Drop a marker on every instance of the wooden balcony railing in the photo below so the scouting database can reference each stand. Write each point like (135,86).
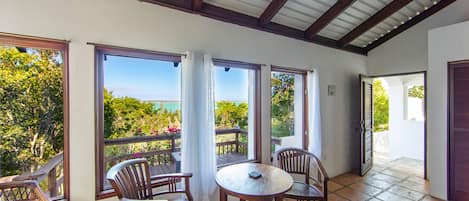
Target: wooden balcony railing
(163,156)
(52,171)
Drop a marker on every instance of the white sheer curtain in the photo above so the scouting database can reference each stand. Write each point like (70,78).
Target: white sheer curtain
(251,113)
(315,132)
(198,124)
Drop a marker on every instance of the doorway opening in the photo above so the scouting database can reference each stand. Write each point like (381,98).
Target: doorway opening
(399,139)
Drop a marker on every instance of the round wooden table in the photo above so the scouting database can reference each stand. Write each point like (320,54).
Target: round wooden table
(234,180)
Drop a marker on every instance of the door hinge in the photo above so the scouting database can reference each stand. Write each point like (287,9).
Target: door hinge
(306,132)
(306,92)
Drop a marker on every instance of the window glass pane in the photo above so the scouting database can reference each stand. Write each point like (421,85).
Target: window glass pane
(234,114)
(142,112)
(287,110)
(31,115)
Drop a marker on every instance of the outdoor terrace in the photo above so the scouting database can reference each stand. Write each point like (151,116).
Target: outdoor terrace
(229,147)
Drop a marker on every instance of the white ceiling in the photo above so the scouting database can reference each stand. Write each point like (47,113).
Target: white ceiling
(300,14)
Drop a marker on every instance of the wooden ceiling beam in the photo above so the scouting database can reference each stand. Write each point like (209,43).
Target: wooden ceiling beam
(415,20)
(381,15)
(233,17)
(197,4)
(271,11)
(327,17)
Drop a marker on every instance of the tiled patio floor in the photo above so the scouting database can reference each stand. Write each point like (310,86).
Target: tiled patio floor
(397,180)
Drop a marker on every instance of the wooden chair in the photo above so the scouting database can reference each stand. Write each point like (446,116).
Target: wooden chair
(301,162)
(131,180)
(27,190)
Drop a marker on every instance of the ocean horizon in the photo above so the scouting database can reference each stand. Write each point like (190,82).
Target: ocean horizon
(173,106)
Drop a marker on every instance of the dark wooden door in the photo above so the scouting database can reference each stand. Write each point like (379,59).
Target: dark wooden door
(366,124)
(459,132)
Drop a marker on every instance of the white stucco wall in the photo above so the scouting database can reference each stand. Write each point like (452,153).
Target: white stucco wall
(445,44)
(130,23)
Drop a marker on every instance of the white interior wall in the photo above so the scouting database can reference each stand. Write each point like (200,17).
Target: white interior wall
(445,44)
(139,25)
(407,52)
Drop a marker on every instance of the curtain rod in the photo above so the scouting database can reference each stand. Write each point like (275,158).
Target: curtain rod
(290,69)
(105,46)
(33,37)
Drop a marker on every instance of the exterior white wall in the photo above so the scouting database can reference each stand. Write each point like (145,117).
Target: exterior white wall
(406,137)
(407,52)
(445,44)
(408,140)
(134,24)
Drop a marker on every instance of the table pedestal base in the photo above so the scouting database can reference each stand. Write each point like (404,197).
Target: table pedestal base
(224,197)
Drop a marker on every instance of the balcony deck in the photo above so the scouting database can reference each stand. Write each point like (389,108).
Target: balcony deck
(227,158)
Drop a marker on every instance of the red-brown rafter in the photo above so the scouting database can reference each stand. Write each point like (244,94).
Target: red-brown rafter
(327,17)
(271,11)
(381,15)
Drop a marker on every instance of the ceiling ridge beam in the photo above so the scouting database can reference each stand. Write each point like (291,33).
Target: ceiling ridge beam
(327,17)
(415,20)
(271,11)
(372,21)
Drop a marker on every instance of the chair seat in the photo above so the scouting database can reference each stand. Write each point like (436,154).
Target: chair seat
(304,191)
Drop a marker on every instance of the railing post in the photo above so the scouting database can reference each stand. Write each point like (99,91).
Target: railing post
(52,182)
(237,142)
(173,144)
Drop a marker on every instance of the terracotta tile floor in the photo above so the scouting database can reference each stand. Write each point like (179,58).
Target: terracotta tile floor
(397,180)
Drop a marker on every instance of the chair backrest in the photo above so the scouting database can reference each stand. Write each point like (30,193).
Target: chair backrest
(296,161)
(131,179)
(27,190)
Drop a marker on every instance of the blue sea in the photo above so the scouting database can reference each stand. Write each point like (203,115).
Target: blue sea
(173,106)
(168,105)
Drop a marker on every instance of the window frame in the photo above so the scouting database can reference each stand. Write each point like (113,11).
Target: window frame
(8,39)
(305,116)
(100,51)
(257,105)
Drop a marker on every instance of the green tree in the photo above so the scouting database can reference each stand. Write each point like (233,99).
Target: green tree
(380,107)
(127,116)
(283,94)
(230,114)
(416,92)
(31,109)
(109,114)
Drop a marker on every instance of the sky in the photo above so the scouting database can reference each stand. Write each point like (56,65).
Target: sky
(146,79)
